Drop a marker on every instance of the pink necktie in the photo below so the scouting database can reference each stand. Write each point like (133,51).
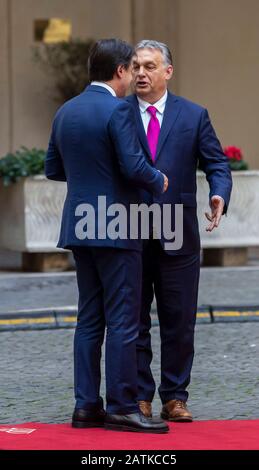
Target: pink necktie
(153,131)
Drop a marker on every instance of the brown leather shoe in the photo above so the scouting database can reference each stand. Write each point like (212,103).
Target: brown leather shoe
(176,410)
(145,408)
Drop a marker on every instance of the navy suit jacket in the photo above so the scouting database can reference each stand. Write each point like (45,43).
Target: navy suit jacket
(187,139)
(94,147)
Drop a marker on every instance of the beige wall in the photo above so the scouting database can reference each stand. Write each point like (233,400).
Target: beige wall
(32,106)
(5,118)
(156,19)
(215,44)
(218,66)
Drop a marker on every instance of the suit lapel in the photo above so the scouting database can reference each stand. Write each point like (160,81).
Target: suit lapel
(172,110)
(140,128)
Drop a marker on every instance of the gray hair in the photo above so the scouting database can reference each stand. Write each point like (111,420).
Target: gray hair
(163,48)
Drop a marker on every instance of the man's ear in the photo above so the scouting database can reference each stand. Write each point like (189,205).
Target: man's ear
(169,72)
(120,70)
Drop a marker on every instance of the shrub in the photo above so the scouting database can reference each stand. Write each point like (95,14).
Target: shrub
(23,162)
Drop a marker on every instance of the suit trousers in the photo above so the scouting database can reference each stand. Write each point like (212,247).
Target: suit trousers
(174,281)
(109,283)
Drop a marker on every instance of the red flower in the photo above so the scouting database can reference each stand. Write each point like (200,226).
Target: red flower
(233,153)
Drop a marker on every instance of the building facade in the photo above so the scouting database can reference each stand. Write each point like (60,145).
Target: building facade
(215,46)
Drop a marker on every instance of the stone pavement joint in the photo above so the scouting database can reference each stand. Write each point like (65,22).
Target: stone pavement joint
(65,317)
(225,294)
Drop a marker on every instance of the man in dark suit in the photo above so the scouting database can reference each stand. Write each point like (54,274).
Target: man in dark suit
(176,136)
(94,147)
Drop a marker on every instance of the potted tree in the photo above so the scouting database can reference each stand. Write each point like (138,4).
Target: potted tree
(67,64)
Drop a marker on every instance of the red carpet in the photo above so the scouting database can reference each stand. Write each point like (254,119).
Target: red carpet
(200,435)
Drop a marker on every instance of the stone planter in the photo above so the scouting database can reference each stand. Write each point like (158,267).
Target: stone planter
(227,245)
(30,221)
(31,212)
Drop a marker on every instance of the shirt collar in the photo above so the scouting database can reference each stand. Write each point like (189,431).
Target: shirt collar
(159,105)
(104,85)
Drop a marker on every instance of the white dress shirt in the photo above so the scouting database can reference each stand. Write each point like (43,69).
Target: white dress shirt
(104,85)
(159,105)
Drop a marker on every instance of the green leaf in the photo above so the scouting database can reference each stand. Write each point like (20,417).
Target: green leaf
(23,162)
(238,165)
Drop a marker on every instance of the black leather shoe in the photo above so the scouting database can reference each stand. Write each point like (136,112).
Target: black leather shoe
(135,422)
(88,419)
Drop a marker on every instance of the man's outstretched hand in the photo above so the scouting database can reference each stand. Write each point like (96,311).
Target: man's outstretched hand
(217,205)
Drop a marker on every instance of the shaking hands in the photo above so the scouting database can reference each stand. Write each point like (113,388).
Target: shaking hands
(165,183)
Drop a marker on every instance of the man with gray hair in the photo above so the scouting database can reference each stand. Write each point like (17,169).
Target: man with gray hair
(176,136)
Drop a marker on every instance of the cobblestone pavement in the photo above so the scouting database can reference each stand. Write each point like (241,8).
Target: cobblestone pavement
(30,291)
(218,286)
(36,373)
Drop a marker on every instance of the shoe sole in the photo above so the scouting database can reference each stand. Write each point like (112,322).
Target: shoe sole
(117,427)
(81,424)
(176,420)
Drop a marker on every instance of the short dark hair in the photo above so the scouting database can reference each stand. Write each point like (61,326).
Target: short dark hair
(105,57)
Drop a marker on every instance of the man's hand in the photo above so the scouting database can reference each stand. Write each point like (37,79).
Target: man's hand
(165,183)
(217,205)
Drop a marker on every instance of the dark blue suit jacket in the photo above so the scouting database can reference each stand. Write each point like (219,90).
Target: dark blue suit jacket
(186,139)
(94,147)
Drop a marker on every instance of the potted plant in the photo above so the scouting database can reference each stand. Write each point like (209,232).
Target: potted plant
(30,207)
(227,245)
(236,160)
